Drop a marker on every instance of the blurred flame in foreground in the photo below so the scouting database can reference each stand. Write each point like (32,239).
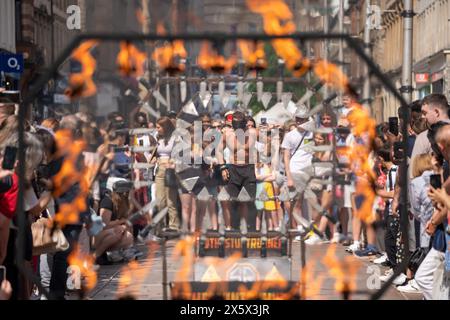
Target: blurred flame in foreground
(211,60)
(169,55)
(81,83)
(343,270)
(73,174)
(253,54)
(85,263)
(130,60)
(133,275)
(278,20)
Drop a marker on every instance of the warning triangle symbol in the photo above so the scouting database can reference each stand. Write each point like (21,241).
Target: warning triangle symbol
(223,195)
(189,183)
(190,108)
(210,275)
(274,275)
(204,195)
(244,196)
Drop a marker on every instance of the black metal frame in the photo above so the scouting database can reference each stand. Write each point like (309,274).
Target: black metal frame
(213,37)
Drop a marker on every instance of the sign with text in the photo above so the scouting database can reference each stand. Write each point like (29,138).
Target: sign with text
(236,290)
(11,63)
(422,77)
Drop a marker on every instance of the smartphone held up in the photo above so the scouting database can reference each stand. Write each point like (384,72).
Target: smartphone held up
(9,158)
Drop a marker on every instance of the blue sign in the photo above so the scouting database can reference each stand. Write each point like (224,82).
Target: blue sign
(11,63)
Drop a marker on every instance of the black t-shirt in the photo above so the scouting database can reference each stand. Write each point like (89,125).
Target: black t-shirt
(106,203)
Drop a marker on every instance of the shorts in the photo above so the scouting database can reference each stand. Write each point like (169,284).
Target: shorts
(348,191)
(191,173)
(242,176)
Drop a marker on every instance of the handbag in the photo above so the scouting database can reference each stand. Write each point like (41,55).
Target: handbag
(170,178)
(46,240)
(416,258)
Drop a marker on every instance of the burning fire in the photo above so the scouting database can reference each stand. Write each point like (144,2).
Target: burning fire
(310,283)
(253,54)
(81,84)
(130,60)
(184,248)
(69,175)
(169,55)
(331,74)
(344,271)
(133,275)
(278,21)
(211,60)
(85,263)
(363,129)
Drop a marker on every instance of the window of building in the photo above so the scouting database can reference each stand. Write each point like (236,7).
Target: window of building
(438,86)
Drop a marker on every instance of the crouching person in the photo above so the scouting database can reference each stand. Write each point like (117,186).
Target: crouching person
(111,243)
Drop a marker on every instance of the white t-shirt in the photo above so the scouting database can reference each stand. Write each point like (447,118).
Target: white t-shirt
(300,159)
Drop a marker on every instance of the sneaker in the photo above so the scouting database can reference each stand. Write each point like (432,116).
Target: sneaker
(131,254)
(370,251)
(314,239)
(410,287)
(347,241)
(353,247)
(338,238)
(114,256)
(381,259)
(387,275)
(400,280)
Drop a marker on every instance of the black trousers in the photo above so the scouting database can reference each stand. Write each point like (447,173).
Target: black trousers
(390,238)
(60,263)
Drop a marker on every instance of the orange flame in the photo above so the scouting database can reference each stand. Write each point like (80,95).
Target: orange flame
(134,274)
(344,271)
(278,21)
(363,129)
(166,56)
(310,282)
(331,74)
(85,263)
(81,84)
(69,175)
(210,60)
(130,60)
(254,55)
(184,248)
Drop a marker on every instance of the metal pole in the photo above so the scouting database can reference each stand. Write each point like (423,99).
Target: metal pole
(164,266)
(408,15)
(308,48)
(326,43)
(341,41)
(52,36)
(367,50)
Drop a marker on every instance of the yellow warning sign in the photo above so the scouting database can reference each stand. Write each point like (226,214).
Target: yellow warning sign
(210,275)
(274,275)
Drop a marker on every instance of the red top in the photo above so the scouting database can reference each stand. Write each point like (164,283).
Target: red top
(8,200)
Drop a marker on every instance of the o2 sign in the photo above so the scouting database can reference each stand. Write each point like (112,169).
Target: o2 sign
(11,63)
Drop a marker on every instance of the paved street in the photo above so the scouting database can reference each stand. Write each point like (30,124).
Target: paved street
(143,279)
